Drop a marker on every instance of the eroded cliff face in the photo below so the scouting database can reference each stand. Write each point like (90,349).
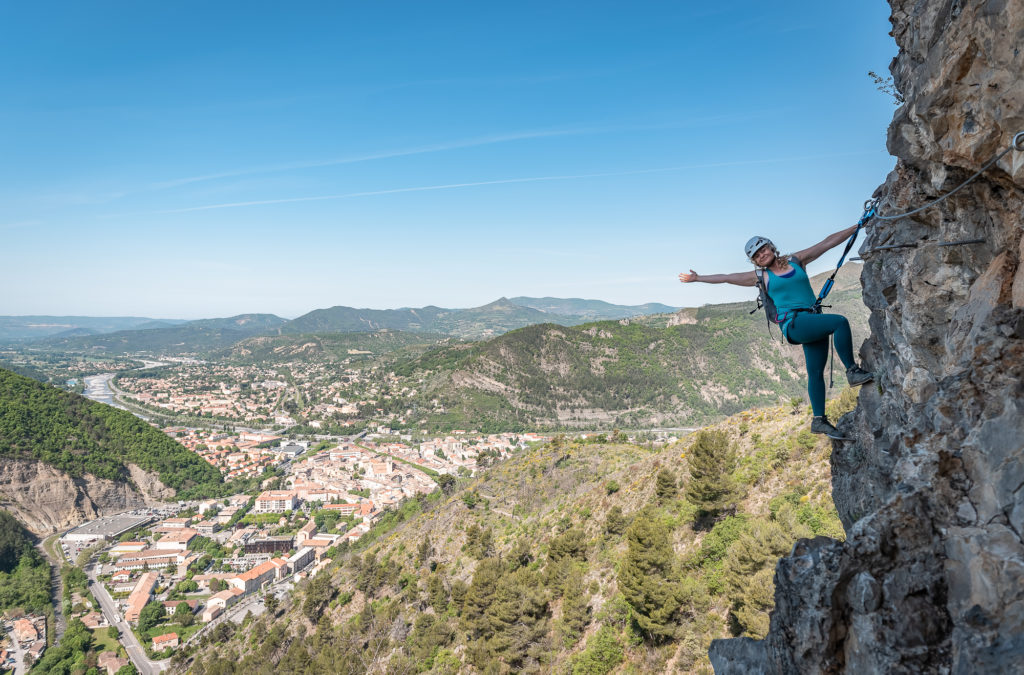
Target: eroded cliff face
(47,500)
(931,577)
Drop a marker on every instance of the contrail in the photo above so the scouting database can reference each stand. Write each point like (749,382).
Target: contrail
(491,139)
(504,181)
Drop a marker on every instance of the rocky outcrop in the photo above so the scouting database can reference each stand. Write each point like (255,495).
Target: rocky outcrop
(931,576)
(48,500)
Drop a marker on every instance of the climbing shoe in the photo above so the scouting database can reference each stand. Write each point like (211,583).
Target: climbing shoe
(856,375)
(821,425)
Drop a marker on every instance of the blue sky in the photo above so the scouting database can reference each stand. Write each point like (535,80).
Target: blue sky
(195,159)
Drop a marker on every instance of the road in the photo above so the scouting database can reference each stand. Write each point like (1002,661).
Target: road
(19,654)
(136,652)
(253,603)
(60,623)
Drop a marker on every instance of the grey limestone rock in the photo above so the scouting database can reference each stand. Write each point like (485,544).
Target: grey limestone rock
(931,576)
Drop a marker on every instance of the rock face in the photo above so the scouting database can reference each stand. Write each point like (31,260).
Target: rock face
(931,577)
(47,500)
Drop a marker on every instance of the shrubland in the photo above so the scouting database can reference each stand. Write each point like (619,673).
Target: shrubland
(571,557)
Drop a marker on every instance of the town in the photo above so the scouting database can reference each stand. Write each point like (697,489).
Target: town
(150,581)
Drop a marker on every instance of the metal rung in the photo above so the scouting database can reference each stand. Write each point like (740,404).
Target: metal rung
(890,247)
(961,243)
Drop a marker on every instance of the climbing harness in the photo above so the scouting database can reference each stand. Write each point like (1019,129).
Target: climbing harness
(771,312)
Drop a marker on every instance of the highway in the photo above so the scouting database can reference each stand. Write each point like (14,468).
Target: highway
(136,652)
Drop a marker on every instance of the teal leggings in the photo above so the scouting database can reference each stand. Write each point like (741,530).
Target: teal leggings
(812,331)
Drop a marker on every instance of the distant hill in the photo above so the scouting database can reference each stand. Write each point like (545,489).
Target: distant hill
(193,337)
(496,318)
(679,369)
(325,347)
(489,320)
(351,320)
(591,310)
(79,436)
(34,327)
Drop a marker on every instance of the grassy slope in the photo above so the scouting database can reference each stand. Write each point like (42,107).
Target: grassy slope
(384,608)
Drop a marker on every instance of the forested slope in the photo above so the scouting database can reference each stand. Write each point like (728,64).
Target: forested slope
(79,436)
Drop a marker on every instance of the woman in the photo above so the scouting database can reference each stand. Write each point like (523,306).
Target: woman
(788,286)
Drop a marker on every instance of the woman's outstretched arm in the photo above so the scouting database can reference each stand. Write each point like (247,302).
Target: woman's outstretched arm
(738,279)
(812,253)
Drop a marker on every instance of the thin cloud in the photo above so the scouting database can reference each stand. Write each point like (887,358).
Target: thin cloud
(504,181)
(442,147)
(353,159)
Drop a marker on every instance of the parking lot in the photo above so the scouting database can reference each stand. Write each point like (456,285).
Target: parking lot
(108,527)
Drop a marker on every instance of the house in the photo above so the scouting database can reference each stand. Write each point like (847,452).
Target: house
(176,541)
(224,599)
(343,509)
(307,532)
(175,523)
(268,545)
(204,579)
(94,620)
(275,501)
(128,547)
(123,586)
(25,631)
(302,557)
(163,559)
(111,662)
(254,579)
(211,613)
(206,527)
(165,641)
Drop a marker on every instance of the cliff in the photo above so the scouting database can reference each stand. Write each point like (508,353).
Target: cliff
(48,500)
(931,494)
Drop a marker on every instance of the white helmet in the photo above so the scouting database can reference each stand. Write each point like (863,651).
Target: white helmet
(756,244)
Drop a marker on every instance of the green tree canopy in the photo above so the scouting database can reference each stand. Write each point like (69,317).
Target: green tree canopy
(712,460)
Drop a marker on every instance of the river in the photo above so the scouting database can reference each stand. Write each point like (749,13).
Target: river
(97,387)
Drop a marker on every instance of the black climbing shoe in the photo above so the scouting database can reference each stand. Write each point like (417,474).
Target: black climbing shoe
(856,375)
(821,425)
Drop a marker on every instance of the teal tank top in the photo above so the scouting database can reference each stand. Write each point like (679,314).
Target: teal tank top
(789,293)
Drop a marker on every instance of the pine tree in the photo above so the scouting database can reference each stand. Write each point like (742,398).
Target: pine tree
(749,570)
(480,595)
(712,460)
(615,522)
(665,487)
(437,593)
(575,608)
(647,577)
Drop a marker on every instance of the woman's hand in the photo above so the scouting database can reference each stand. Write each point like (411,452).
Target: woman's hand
(688,278)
